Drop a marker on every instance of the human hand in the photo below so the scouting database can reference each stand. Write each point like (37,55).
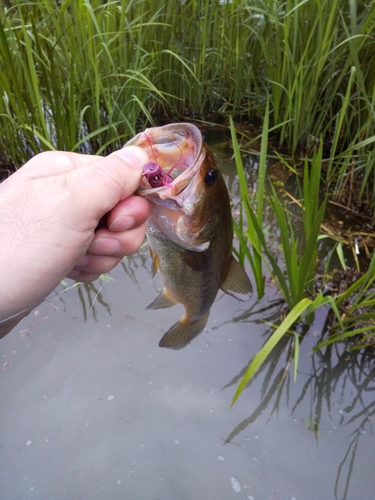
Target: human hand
(50,210)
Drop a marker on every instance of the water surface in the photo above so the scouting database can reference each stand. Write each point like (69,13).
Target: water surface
(92,408)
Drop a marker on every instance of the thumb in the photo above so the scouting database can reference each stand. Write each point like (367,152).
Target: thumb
(134,156)
(111,179)
(126,165)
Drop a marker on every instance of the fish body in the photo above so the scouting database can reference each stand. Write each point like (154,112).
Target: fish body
(189,229)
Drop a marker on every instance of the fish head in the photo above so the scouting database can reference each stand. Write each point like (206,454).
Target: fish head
(187,205)
(175,150)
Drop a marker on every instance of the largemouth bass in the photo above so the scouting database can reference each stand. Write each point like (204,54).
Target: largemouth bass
(189,228)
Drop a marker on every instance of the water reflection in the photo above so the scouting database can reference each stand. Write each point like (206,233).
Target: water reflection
(131,265)
(91,296)
(338,388)
(334,392)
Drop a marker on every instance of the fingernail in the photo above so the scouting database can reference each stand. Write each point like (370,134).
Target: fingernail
(74,273)
(136,157)
(122,223)
(105,246)
(83,261)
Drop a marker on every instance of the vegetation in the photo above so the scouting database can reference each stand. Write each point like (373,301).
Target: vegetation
(85,75)
(300,277)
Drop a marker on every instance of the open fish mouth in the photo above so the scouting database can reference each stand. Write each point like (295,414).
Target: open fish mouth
(175,154)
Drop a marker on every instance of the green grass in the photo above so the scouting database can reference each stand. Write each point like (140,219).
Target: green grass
(357,325)
(74,77)
(85,75)
(295,275)
(299,275)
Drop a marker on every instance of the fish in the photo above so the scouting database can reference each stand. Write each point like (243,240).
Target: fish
(189,228)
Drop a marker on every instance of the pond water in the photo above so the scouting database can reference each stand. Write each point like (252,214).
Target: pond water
(92,408)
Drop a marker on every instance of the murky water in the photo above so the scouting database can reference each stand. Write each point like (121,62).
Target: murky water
(92,408)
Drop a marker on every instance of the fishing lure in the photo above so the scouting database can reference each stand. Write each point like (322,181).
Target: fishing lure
(154,173)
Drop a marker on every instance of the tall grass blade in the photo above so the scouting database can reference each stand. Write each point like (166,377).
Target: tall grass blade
(254,258)
(261,355)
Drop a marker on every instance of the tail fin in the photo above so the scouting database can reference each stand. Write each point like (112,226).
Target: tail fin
(182,333)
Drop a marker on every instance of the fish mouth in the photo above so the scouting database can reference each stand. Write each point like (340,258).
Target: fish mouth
(177,152)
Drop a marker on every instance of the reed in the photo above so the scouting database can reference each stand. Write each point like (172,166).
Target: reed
(298,274)
(73,77)
(84,75)
(357,325)
(294,276)
(253,255)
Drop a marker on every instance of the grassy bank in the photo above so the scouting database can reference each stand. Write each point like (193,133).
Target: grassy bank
(344,295)
(84,75)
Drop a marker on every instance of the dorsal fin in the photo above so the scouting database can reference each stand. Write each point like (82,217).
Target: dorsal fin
(237,282)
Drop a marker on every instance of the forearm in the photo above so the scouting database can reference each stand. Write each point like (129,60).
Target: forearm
(21,290)
(7,324)
(27,270)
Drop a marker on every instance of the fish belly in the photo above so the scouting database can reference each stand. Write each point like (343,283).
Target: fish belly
(187,276)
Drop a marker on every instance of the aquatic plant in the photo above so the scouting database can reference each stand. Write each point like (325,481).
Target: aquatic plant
(74,77)
(295,274)
(299,275)
(357,303)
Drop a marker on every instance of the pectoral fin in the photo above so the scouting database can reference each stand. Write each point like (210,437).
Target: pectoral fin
(195,260)
(162,301)
(237,282)
(182,333)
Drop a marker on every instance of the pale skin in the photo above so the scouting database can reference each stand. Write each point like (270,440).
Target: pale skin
(49,215)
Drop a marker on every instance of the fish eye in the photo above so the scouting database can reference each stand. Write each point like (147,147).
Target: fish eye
(211,177)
